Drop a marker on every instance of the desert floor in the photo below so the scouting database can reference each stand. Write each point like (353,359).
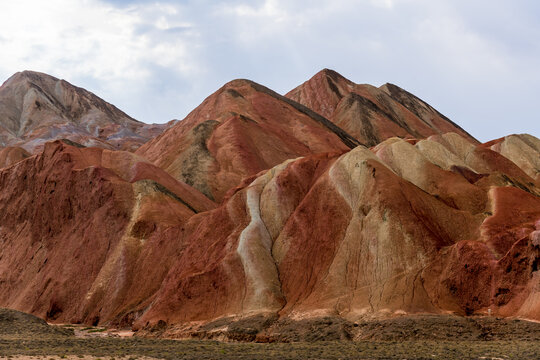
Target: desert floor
(424,338)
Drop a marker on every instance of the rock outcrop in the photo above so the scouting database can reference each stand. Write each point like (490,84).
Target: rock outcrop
(372,114)
(522,150)
(11,155)
(36,108)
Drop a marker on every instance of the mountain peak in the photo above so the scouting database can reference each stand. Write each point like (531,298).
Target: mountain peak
(240,130)
(334,75)
(29,75)
(372,114)
(36,74)
(36,107)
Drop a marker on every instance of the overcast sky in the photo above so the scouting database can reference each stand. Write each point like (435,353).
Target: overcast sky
(476,61)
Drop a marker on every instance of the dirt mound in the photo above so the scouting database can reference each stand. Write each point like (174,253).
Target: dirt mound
(21,325)
(425,327)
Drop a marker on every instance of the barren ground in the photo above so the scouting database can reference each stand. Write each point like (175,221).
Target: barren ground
(423,337)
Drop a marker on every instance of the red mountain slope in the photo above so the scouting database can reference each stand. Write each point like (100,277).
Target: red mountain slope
(363,233)
(372,114)
(82,232)
(307,227)
(240,130)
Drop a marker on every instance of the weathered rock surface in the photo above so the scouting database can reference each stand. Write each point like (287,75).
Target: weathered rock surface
(366,233)
(238,131)
(83,232)
(521,150)
(372,114)
(36,108)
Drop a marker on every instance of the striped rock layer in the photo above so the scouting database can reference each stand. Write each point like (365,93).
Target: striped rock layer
(256,206)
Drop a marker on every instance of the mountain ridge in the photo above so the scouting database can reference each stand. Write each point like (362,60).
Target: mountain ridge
(257,211)
(241,129)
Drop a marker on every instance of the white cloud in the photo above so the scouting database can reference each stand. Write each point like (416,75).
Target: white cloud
(387,4)
(159,59)
(269,9)
(94,39)
(450,43)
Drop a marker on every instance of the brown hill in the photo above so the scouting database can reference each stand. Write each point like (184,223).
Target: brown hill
(240,130)
(36,108)
(372,114)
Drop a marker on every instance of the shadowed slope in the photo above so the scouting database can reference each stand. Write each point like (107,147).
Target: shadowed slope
(424,111)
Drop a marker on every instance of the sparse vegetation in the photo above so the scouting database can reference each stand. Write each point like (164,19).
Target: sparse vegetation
(97,330)
(22,334)
(196,349)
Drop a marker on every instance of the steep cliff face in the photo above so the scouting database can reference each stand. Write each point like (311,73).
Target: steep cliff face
(36,108)
(372,114)
(238,131)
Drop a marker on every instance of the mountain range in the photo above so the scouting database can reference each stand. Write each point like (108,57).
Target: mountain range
(337,201)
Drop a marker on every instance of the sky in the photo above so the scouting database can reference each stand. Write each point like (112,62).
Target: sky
(476,61)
